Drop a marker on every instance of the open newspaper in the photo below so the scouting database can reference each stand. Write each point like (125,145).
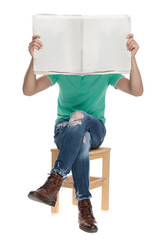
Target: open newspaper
(82,44)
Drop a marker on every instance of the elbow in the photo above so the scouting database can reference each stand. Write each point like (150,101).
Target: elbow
(141,93)
(138,92)
(26,92)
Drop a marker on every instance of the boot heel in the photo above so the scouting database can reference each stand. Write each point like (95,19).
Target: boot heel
(53,204)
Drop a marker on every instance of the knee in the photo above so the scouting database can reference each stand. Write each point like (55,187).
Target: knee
(76,118)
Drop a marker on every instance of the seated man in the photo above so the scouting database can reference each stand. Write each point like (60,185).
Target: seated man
(79,127)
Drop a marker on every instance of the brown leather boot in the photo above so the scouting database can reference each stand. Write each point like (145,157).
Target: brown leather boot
(47,193)
(86,219)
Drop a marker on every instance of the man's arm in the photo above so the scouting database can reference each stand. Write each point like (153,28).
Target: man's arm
(134,86)
(31,85)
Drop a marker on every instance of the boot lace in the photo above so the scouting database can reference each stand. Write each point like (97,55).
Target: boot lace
(86,210)
(52,179)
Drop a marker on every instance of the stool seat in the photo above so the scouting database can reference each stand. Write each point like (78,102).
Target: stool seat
(94,182)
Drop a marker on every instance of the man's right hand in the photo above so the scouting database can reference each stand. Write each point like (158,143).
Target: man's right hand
(35,44)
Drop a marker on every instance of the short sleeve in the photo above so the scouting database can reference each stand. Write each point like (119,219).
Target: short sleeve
(114,78)
(54,78)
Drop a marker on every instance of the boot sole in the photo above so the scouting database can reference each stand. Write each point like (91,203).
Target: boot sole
(37,198)
(90,231)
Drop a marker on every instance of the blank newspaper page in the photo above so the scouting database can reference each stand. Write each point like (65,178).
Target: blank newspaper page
(61,38)
(104,44)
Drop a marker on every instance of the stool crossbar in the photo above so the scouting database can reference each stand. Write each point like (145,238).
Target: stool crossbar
(94,182)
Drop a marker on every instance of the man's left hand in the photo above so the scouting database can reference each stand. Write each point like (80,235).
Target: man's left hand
(132,45)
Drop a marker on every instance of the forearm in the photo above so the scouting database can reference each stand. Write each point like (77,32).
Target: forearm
(29,83)
(136,84)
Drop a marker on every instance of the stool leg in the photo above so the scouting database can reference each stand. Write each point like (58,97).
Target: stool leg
(74,202)
(55,209)
(105,176)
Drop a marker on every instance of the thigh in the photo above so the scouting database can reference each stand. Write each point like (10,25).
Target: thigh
(59,130)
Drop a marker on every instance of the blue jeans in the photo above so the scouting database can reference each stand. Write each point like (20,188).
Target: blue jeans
(74,137)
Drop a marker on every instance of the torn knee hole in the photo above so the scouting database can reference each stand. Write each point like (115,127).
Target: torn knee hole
(77,115)
(75,122)
(84,140)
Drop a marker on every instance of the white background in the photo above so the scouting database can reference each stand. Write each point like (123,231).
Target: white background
(27,125)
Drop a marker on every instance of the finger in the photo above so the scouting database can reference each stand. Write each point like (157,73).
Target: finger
(130,35)
(129,41)
(38,41)
(129,45)
(133,43)
(33,44)
(132,47)
(35,36)
(35,47)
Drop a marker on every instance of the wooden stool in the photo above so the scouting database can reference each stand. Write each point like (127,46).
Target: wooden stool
(94,182)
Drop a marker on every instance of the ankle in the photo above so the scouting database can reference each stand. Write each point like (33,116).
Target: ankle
(56,173)
(84,200)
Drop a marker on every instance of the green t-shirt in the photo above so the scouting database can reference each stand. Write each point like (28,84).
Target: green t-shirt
(85,93)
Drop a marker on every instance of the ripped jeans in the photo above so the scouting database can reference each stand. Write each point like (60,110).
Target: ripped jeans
(74,137)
